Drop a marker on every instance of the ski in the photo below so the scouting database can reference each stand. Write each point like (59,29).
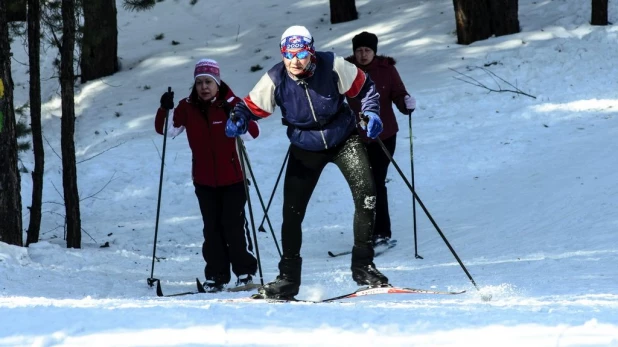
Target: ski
(244,288)
(381,249)
(202,290)
(378,250)
(334,255)
(364,291)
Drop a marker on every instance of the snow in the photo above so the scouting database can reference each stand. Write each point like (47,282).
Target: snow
(524,189)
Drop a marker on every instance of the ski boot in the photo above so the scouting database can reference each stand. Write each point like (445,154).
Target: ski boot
(364,271)
(212,286)
(287,284)
(244,280)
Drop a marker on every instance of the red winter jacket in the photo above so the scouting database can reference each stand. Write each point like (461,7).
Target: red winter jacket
(215,157)
(388,83)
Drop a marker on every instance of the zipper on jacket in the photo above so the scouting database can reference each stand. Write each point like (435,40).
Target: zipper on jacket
(212,143)
(304,84)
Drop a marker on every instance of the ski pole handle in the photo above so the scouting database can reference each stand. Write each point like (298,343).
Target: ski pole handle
(233,115)
(363,119)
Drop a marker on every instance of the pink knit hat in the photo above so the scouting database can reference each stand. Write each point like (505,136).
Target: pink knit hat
(207,67)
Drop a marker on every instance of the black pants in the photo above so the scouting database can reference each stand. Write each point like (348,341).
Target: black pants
(379,167)
(226,236)
(301,176)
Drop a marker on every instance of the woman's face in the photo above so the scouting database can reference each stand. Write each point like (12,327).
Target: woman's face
(296,60)
(206,87)
(364,55)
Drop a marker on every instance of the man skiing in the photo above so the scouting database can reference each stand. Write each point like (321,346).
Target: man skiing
(310,88)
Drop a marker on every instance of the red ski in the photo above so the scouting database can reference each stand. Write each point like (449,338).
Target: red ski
(387,289)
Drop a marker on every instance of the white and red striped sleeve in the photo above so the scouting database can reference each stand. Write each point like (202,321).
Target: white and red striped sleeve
(351,78)
(253,131)
(261,99)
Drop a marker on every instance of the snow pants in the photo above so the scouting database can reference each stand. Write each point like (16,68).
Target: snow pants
(379,167)
(301,177)
(227,240)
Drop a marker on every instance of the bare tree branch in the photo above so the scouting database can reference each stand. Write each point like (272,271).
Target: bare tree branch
(96,155)
(52,148)
(494,77)
(57,191)
(52,32)
(84,230)
(62,226)
(157,148)
(108,84)
(53,202)
(100,190)
(59,226)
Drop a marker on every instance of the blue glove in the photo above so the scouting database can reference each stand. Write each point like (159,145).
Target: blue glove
(238,123)
(235,126)
(373,126)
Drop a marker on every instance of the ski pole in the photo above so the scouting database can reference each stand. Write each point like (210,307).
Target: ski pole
(412,181)
(485,297)
(151,281)
(265,209)
(427,213)
(243,160)
(272,194)
(241,147)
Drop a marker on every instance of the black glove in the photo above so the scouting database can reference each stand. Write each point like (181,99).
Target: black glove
(167,100)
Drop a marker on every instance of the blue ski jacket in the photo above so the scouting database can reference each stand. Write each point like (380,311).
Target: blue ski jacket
(313,108)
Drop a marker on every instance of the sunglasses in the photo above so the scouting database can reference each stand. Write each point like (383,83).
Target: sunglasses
(300,55)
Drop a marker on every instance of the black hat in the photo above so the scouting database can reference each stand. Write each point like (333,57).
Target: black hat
(365,39)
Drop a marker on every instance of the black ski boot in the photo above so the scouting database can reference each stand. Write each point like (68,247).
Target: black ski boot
(368,275)
(244,280)
(213,286)
(215,282)
(287,284)
(364,271)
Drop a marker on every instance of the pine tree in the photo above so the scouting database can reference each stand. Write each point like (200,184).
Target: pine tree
(10,180)
(67,92)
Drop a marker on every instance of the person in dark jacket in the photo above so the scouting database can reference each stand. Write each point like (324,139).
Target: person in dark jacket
(381,69)
(216,172)
(310,88)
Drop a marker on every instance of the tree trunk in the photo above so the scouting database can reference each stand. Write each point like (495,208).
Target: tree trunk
(10,181)
(473,20)
(504,17)
(342,11)
(34,49)
(16,11)
(67,132)
(599,12)
(100,40)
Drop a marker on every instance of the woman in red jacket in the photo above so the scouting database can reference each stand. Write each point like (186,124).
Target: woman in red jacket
(382,71)
(217,174)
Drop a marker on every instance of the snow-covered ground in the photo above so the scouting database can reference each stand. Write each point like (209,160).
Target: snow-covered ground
(523,188)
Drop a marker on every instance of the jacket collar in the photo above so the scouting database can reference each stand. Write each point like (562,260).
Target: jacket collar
(378,60)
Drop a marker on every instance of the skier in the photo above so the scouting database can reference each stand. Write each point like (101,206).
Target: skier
(310,88)
(381,69)
(216,172)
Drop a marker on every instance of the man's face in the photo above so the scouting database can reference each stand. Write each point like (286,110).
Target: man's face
(364,55)
(296,60)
